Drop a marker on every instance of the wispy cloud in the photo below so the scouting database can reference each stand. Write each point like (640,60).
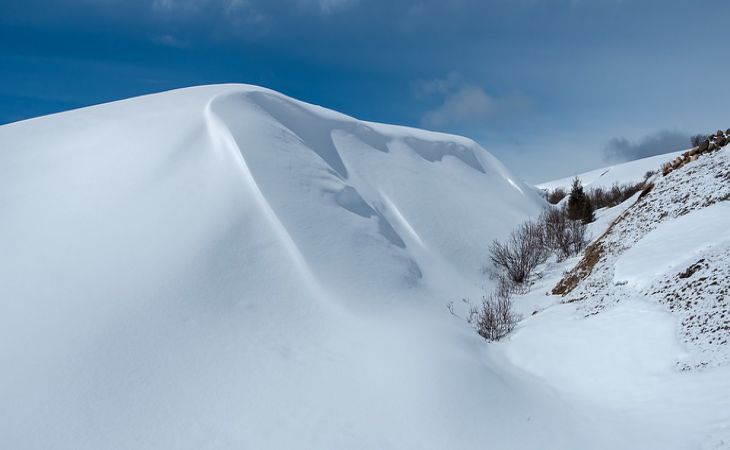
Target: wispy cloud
(331,6)
(251,9)
(465,103)
(169,40)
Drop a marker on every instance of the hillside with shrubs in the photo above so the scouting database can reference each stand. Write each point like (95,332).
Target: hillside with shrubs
(690,280)
(620,295)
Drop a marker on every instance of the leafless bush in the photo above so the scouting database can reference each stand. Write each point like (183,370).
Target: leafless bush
(666,169)
(697,139)
(517,258)
(563,236)
(495,318)
(554,196)
(616,194)
(519,255)
(450,307)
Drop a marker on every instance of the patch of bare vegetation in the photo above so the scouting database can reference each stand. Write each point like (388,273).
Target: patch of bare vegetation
(517,257)
(581,271)
(583,202)
(494,318)
(562,236)
(615,195)
(554,196)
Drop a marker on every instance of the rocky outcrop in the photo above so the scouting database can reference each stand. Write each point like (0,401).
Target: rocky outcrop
(712,143)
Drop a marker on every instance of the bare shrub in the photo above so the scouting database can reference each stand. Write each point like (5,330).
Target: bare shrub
(554,196)
(616,194)
(450,307)
(555,224)
(697,139)
(495,318)
(563,236)
(666,169)
(519,255)
(577,238)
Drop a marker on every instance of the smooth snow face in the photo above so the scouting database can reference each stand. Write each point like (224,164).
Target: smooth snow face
(674,245)
(225,267)
(588,357)
(605,177)
(619,365)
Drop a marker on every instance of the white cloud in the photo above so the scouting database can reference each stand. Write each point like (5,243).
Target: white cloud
(464,103)
(437,86)
(468,103)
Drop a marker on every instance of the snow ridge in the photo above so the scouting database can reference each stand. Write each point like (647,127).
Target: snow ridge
(227,267)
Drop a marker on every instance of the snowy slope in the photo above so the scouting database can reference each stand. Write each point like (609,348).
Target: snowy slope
(643,325)
(226,267)
(628,172)
(672,248)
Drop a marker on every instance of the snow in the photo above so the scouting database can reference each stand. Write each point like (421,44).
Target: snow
(602,364)
(623,173)
(670,248)
(619,365)
(673,245)
(225,267)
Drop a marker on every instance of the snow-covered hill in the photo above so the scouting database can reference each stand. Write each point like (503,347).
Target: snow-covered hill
(225,267)
(623,173)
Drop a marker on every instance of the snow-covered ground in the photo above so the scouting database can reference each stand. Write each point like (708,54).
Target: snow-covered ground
(605,177)
(225,267)
(674,245)
(666,254)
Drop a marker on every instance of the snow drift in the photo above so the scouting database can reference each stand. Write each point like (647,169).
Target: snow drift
(226,267)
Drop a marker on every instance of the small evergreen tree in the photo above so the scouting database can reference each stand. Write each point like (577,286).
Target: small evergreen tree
(579,204)
(587,215)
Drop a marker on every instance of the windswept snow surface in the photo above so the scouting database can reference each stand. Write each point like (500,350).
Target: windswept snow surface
(224,267)
(674,245)
(605,177)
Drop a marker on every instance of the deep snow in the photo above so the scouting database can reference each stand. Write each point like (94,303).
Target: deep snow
(225,267)
(674,245)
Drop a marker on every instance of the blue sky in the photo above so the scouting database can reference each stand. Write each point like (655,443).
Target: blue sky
(551,87)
